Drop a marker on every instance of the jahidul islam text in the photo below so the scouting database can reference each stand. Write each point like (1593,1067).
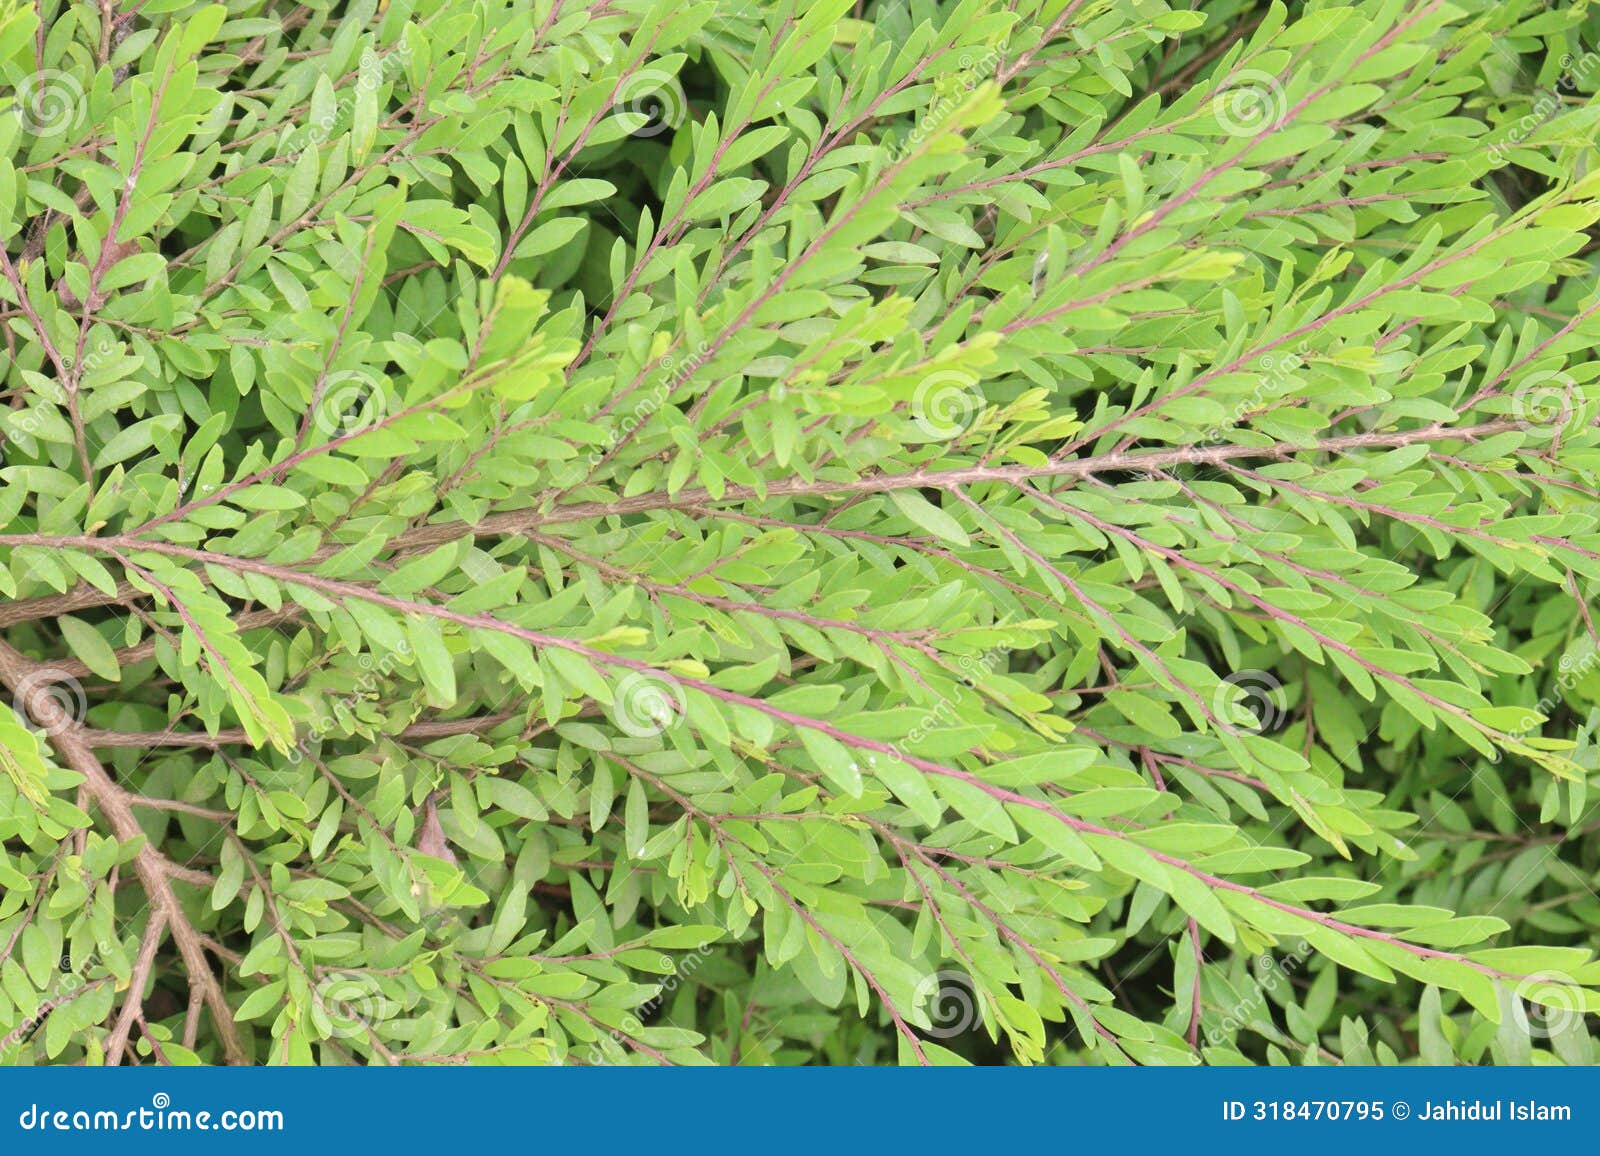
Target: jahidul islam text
(1489,1110)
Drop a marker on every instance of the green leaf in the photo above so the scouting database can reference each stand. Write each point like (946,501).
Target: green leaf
(91,646)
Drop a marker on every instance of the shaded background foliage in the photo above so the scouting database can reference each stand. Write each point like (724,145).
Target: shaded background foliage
(780,533)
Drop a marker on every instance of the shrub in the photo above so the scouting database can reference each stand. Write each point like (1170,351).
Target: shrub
(556,531)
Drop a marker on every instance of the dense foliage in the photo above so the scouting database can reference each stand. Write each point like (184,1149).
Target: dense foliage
(606,531)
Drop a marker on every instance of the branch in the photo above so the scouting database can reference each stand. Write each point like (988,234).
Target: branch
(151,867)
(139,651)
(236,736)
(133,1006)
(518,522)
